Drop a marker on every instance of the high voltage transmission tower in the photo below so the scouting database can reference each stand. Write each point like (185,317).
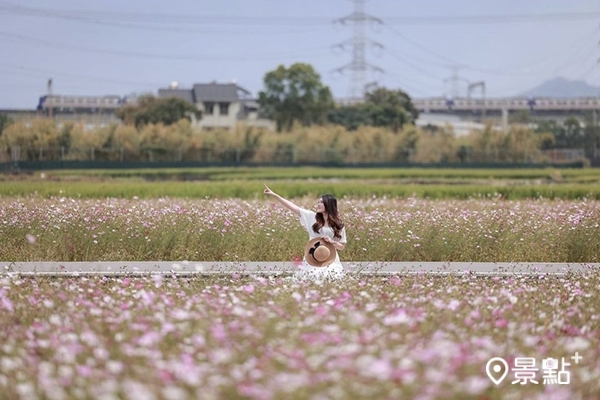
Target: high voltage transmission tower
(454,80)
(359,66)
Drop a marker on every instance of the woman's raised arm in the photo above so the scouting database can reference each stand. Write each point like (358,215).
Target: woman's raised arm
(285,202)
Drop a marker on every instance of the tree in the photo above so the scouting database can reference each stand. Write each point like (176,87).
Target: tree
(31,136)
(295,94)
(573,134)
(487,144)
(520,117)
(548,126)
(153,110)
(390,108)
(351,117)
(591,136)
(383,107)
(409,137)
(463,153)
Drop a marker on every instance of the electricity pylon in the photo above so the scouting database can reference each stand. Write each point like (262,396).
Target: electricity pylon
(359,66)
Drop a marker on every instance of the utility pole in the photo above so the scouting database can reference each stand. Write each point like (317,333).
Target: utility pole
(474,85)
(49,94)
(359,66)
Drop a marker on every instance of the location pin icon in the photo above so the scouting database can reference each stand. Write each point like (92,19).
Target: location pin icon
(494,369)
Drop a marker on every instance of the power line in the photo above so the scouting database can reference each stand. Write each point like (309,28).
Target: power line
(408,62)
(509,70)
(574,61)
(169,19)
(243,57)
(574,49)
(421,47)
(37,72)
(494,19)
(183,24)
(199,19)
(406,86)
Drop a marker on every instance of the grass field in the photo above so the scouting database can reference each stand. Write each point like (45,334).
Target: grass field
(236,173)
(246,183)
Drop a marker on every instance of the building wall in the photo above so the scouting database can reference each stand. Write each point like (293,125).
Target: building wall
(216,120)
(234,117)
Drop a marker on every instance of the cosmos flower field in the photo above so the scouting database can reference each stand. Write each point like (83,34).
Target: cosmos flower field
(378,229)
(239,337)
(415,337)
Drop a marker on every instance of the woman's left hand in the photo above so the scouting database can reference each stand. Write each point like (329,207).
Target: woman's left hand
(327,239)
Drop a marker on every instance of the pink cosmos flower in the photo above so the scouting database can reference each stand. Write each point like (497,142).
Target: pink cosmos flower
(501,323)
(453,305)
(248,289)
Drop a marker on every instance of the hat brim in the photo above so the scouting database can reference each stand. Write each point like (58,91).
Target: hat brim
(313,261)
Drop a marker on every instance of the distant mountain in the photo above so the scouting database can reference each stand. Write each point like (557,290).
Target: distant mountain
(561,87)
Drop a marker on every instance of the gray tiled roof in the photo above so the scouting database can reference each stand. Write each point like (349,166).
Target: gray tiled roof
(208,92)
(217,92)
(185,94)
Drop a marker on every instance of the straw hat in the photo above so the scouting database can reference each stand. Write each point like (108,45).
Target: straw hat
(319,253)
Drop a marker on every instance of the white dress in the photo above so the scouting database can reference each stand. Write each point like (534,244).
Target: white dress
(333,270)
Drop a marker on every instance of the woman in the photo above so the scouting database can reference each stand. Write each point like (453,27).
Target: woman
(325,223)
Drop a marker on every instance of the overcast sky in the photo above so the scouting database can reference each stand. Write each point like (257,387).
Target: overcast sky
(116,47)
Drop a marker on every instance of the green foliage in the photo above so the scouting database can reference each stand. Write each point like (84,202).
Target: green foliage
(591,136)
(153,110)
(508,176)
(252,189)
(463,153)
(65,136)
(547,141)
(382,108)
(571,134)
(492,145)
(520,117)
(350,117)
(409,137)
(390,108)
(295,95)
(548,126)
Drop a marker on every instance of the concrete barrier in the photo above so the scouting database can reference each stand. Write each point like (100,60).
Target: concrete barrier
(212,268)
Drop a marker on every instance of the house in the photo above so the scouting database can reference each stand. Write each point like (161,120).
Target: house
(223,105)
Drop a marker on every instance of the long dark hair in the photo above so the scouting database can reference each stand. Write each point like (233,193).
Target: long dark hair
(333,218)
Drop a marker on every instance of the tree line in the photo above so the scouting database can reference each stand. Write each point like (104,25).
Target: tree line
(379,129)
(43,139)
(297,95)
(291,97)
